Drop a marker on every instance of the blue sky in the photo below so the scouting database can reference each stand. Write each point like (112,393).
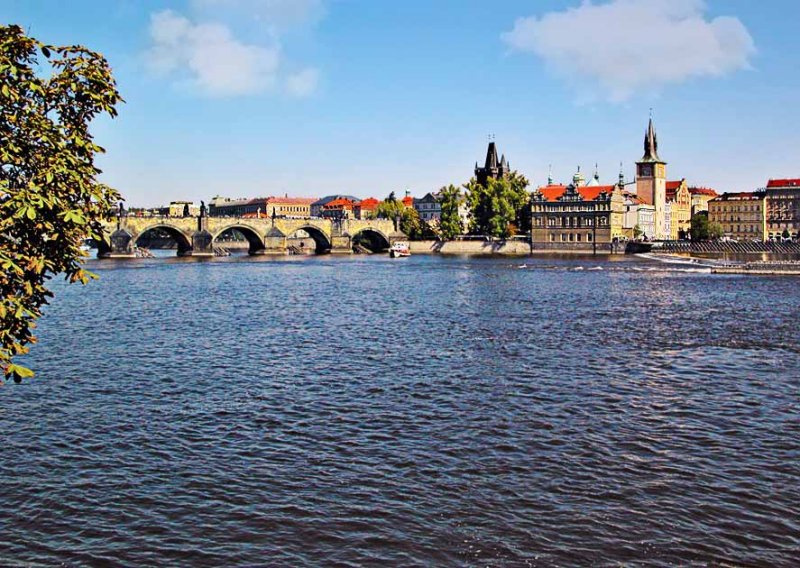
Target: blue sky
(312,97)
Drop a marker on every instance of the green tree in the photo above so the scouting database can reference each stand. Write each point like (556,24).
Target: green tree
(700,227)
(411,224)
(637,232)
(50,199)
(500,208)
(450,225)
(390,208)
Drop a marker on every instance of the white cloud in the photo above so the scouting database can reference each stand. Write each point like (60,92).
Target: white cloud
(213,61)
(627,46)
(303,83)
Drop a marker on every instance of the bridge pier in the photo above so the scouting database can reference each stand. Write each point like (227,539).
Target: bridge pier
(341,245)
(202,245)
(274,244)
(121,246)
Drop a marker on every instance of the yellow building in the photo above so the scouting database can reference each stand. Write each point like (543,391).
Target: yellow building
(180,208)
(700,198)
(289,206)
(742,216)
(678,195)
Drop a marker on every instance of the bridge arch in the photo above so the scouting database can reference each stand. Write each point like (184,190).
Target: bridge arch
(254,239)
(321,240)
(372,238)
(183,242)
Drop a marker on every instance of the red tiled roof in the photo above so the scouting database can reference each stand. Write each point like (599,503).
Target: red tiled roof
(741,196)
(408,201)
(703,191)
(341,202)
(369,203)
(588,192)
(790,182)
(291,200)
(673,185)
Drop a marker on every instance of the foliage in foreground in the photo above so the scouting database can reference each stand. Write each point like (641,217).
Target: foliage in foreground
(450,225)
(501,207)
(50,199)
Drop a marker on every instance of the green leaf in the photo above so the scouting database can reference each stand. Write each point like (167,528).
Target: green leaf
(18,371)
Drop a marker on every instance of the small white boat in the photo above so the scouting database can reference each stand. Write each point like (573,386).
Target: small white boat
(399,249)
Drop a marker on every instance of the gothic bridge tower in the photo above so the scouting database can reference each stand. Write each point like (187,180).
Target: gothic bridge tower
(651,179)
(492,168)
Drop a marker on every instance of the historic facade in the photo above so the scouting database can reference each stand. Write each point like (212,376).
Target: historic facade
(340,208)
(783,208)
(742,216)
(651,180)
(493,168)
(679,198)
(700,198)
(261,207)
(429,207)
(316,207)
(577,217)
(366,208)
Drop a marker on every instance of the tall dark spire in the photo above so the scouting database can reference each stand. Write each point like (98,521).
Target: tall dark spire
(493,167)
(650,144)
(491,156)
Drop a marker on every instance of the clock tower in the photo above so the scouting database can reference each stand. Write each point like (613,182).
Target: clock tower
(651,180)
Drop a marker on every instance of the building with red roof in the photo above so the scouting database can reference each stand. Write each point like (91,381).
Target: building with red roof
(700,198)
(366,208)
(741,215)
(261,207)
(339,208)
(783,208)
(680,209)
(577,217)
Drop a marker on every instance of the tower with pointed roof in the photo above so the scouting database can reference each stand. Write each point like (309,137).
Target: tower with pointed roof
(651,180)
(493,168)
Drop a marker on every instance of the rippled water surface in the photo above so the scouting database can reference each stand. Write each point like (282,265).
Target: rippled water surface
(423,411)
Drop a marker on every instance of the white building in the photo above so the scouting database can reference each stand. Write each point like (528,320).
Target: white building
(646,219)
(667,221)
(429,207)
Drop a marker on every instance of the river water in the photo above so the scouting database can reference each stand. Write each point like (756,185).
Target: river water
(422,411)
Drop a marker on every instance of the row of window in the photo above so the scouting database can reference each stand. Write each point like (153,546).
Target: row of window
(569,237)
(570,222)
(742,228)
(736,208)
(571,208)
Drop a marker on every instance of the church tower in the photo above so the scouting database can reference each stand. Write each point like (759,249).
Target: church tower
(651,180)
(493,168)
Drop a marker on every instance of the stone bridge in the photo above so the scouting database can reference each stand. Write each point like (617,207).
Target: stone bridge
(196,236)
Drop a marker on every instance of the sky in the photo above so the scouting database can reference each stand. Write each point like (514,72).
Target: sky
(245,98)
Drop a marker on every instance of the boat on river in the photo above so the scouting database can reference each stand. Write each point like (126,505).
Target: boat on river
(398,249)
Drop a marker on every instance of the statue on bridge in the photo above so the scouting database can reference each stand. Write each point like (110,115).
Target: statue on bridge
(202,208)
(121,210)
